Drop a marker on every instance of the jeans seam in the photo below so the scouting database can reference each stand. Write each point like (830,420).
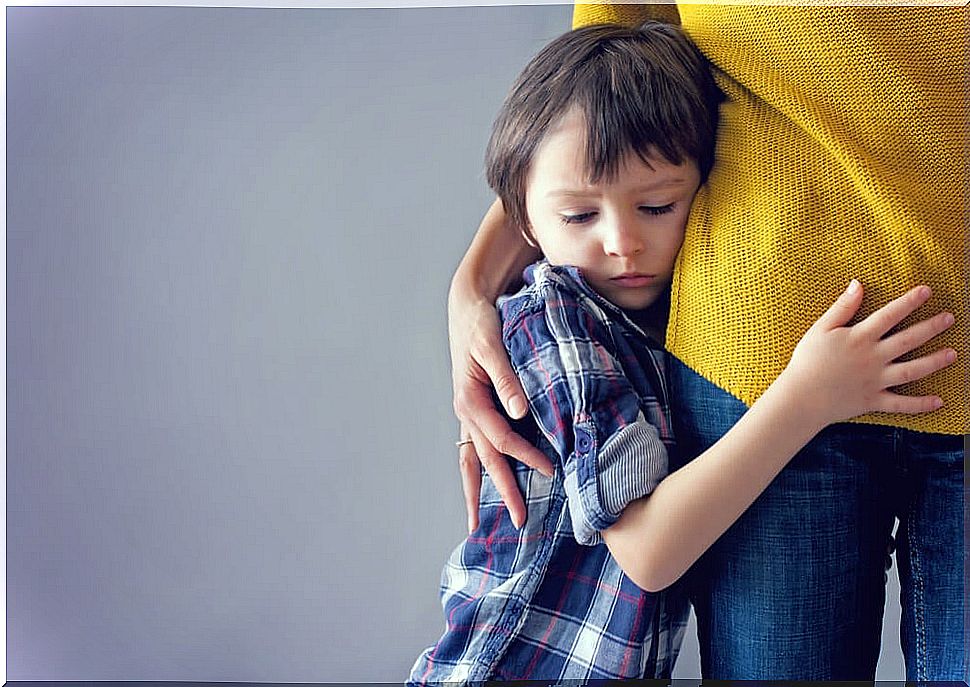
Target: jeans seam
(919,620)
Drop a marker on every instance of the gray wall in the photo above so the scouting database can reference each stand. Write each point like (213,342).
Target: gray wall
(230,235)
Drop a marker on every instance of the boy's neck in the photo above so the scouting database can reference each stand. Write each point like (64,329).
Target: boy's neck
(653,319)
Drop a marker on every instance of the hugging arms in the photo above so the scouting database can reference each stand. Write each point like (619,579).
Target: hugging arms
(790,219)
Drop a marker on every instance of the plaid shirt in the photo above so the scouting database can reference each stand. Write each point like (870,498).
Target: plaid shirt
(549,601)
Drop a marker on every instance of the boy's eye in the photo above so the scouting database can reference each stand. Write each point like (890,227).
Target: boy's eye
(578,218)
(657,210)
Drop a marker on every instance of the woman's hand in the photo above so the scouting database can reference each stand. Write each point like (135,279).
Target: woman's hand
(479,363)
(848,371)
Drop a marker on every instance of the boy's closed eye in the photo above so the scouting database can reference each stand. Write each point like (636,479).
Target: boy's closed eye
(577,218)
(584,217)
(657,209)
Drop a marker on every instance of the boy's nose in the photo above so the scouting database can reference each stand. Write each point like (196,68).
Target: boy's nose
(622,239)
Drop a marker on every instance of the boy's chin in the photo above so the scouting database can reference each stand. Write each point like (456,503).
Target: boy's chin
(627,299)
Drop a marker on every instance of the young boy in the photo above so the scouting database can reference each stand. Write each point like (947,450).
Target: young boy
(596,155)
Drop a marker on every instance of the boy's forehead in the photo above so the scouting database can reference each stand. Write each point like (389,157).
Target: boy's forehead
(573,129)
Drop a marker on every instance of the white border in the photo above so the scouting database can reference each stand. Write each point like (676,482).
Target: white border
(332,4)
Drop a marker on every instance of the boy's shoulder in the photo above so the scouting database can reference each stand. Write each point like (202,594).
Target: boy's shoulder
(546,287)
(559,295)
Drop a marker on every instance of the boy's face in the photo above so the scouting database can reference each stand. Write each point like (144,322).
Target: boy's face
(624,234)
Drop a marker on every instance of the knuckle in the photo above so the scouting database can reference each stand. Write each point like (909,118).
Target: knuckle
(504,442)
(488,461)
(895,404)
(505,384)
(462,404)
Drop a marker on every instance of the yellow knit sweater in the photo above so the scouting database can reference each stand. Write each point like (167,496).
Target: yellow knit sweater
(842,152)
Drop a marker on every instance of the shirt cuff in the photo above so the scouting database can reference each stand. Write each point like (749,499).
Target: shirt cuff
(629,466)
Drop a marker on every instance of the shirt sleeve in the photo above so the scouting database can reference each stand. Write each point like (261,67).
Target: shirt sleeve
(587,409)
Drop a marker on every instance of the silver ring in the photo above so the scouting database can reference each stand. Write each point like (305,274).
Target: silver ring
(462,442)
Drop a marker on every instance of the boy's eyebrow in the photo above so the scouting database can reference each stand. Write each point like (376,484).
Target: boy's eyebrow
(576,193)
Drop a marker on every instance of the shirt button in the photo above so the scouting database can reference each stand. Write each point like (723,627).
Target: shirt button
(583,441)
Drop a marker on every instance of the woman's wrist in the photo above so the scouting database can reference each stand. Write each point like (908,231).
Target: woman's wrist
(470,288)
(495,258)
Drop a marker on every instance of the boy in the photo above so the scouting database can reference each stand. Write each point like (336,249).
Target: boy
(596,155)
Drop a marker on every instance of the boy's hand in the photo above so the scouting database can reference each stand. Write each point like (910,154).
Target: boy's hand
(479,362)
(844,372)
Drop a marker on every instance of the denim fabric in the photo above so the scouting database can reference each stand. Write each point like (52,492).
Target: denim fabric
(795,589)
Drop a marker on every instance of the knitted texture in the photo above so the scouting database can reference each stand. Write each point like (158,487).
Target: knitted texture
(842,153)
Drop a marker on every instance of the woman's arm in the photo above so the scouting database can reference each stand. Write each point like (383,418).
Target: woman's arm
(836,373)
(479,362)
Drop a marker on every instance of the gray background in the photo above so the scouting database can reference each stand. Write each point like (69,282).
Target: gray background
(230,235)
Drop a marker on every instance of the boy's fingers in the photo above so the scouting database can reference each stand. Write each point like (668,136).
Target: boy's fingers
(911,370)
(894,312)
(502,476)
(844,307)
(907,405)
(915,336)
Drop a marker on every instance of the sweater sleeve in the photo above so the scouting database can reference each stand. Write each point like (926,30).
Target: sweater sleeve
(626,14)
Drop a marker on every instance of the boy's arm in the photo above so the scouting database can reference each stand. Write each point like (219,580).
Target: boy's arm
(495,258)
(836,373)
(625,14)
(564,354)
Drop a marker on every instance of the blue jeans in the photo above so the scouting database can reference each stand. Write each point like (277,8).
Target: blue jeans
(795,589)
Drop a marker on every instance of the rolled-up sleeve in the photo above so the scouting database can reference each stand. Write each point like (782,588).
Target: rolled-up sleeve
(586,407)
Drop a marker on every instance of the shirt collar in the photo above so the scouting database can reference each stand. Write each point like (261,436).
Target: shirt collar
(572,278)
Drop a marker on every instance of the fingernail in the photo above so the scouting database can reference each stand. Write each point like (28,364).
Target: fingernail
(517,406)
(948,319)
(951,355)
(853,287)
(937,402)
(924,292)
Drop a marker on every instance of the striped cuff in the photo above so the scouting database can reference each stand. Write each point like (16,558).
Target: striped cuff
(629,466)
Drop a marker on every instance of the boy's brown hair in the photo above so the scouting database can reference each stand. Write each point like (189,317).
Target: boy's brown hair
(643,90)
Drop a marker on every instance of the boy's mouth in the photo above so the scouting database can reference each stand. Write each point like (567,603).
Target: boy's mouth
(634,279)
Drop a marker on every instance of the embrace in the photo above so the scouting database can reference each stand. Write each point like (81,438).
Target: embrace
(696,297)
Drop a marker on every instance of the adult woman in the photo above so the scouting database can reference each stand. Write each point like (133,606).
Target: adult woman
(841,153)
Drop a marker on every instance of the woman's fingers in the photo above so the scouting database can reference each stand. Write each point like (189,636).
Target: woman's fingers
(911,370)
(503,440)
(502,476)
(478,415)
(894,312)
(475,409)
(915,336)
(494,361)
(471,479)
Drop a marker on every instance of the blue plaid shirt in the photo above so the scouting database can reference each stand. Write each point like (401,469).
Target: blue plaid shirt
(548,601)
